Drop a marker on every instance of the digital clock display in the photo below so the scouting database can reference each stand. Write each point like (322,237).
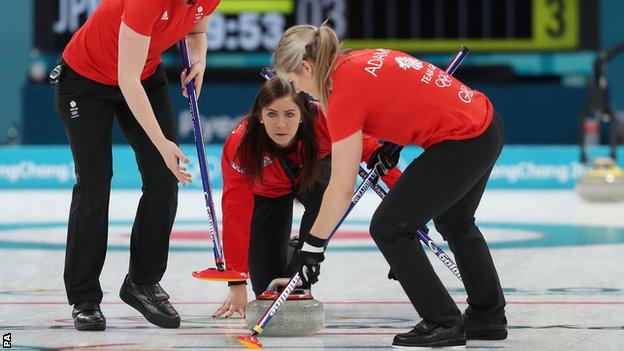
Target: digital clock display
(248,31)
(258,25)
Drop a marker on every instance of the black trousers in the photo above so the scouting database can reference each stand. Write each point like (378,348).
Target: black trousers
(271,226)
(87,109)
(445,184)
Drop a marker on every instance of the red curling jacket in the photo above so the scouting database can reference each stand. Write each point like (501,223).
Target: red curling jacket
(237,201)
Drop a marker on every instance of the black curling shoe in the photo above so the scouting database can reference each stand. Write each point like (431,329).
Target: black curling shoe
(476,330)
(88,316)
(152,302)
(428,334)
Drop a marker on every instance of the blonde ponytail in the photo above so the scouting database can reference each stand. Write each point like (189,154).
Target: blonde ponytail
(318,45)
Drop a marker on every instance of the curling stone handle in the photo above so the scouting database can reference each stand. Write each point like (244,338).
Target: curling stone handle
(277,282)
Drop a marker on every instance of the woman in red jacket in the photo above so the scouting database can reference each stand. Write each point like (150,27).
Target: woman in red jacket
(280,152)
(398,98)
(111,70)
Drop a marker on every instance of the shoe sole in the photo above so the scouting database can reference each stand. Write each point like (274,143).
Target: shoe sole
(90,327)
(487,335)
(457,343)
(134,303)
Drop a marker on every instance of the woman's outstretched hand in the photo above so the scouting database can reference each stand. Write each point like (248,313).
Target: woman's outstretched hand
(236,302)
(172,155)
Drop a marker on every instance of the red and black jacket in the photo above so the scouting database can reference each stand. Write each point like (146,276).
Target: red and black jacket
(237,201)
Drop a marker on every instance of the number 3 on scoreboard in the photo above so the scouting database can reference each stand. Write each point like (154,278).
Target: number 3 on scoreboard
(558,27)
(556,22)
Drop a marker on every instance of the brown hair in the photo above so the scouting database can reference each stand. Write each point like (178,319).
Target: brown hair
(318,45)
(256,141)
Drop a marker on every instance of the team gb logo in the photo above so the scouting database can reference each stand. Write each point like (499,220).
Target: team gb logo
(407,62)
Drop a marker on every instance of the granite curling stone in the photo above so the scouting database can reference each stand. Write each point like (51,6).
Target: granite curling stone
(300,315)
(603,183)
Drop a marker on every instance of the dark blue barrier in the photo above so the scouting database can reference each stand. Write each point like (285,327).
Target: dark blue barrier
(533,113)
(544,113)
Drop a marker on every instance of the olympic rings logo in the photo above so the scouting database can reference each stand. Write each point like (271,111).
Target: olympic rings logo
(465,94)
(443,80)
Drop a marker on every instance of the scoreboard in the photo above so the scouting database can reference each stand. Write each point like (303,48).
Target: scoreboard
(410,25)
(255,26)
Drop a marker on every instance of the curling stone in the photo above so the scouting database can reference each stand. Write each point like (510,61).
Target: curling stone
(603,183)
(300,315)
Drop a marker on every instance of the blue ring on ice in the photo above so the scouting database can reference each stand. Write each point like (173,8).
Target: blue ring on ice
(551,235)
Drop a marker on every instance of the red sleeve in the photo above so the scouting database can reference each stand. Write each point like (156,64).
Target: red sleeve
(322,134)
(392,177)
(369,146)
(141,15)
(345,116)
(213,7)
(237,203)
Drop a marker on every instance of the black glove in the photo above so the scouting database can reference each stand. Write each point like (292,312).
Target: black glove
(308,260)
(384,159)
